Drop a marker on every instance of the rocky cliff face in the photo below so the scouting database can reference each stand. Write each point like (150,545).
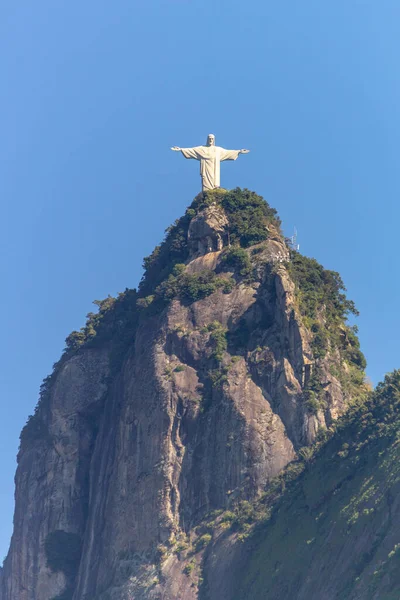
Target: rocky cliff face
(332,531)
(188,397)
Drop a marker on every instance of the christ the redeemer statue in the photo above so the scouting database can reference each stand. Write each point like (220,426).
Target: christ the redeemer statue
(210,157)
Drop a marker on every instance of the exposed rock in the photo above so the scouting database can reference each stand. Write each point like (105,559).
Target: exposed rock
(206,231)
(334,533)
(134,458)
(52,482)
(207,261)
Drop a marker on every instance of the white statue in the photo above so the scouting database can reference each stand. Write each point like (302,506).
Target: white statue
(210,157)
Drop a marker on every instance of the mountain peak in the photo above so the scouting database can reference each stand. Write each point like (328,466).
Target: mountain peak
(186,397)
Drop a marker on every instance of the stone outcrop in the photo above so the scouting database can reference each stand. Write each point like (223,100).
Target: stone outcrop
(130,462)
(206,231)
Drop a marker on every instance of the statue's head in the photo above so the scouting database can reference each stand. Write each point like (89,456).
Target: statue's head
(211,139)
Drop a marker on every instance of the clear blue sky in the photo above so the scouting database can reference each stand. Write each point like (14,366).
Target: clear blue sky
(95,93)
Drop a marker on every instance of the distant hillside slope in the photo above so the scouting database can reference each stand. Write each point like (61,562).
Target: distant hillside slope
(335,532)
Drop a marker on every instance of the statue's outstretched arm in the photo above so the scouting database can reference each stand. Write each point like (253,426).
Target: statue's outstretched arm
(188,152)
(231,154)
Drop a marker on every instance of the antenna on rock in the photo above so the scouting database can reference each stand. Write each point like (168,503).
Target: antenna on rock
(292,241)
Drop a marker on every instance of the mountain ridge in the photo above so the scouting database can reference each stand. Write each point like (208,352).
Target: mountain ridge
(188,396)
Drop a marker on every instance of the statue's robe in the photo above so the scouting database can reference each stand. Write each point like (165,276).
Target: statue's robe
(210,158)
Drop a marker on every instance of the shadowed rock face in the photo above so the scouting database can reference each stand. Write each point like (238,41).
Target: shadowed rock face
(206,231)
(52,481)
(334,531)
(128,463)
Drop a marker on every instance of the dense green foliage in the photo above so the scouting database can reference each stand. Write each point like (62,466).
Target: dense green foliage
(239,259)
(249,214)
(116,319)
(249,218)
(313,393)
(63,552)
(325,309)
(334,499)
(191,287)
(172,251)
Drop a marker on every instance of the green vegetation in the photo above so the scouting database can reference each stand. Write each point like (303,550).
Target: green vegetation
(114,317)
(313,393)
(228,517)
(114,324)
(164,278)
(249,218)
(249,214)
(238,259)
(336,486)
(242,518)
(189,568)
(172,251)
(190,288)
(145,302)
(245,514)
(325,308)
(218,340)
(203,541)
(63,552)
(181,547)
(218,376)
(339,490)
